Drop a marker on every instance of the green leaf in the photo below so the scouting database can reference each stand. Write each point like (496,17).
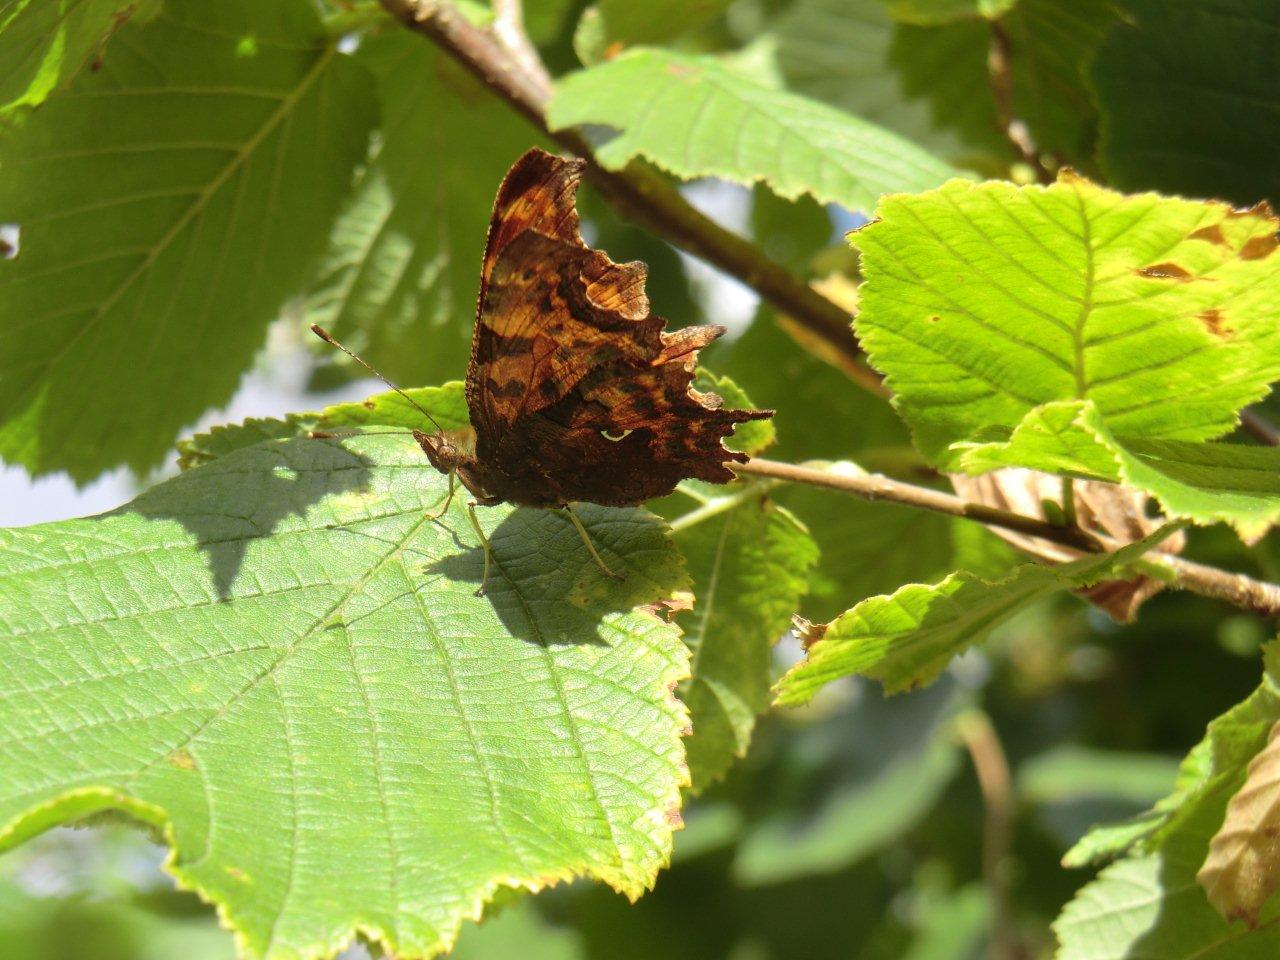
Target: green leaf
(279,659)
(1190,99)
(985,301)
(751,437)
(1202,482)
(610,26)
(867,774)
(1208,777)
(398,282)
(750,560)
(907,639)
(1052,45)
(1151,907)
(861,544)
(168,203)
(928,85)
(694,117)
(43,44)
(930,12)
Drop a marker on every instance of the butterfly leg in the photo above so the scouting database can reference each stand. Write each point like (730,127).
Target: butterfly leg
(591,549)
(484,543)
(448,499)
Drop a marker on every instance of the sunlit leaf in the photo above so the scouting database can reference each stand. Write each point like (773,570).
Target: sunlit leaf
(695,117)
(1202,482)
(983,302)
(907,639)
(279,660)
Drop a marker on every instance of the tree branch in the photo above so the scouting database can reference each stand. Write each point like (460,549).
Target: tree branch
(1236,589)
(1000,79)
(642,195)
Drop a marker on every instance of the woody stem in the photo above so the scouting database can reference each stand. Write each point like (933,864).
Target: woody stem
(1236,589)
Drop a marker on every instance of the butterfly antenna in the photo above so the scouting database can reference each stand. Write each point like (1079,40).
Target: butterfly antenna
(328,338)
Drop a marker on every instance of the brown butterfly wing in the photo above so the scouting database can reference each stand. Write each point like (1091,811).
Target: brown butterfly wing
(630,432)
(574,391)
(550,308)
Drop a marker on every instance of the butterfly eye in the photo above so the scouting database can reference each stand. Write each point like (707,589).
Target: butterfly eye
(615,437)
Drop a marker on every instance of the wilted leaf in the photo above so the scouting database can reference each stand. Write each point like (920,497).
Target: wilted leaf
(398,282)
(1190,97)
(907,639)
(279,660)
(695,118)
(1110,509)
(1202,482)
(985,301)
(166,213)
(44,43)
(1240,872)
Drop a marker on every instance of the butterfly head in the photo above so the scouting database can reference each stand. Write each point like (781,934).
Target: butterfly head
(443,453)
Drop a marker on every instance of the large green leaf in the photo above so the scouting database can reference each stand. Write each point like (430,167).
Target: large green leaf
(1190,99)
(399,280)
(905,640)
(278,658)
(1203,482)
(43,44)
(168,203)
(985,301)
(695,117)
(750,560)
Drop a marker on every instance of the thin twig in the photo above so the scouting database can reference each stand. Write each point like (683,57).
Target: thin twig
(508,29)
(1236,589)
(638,192)
(1015,130)
(1262,429)
(994,780)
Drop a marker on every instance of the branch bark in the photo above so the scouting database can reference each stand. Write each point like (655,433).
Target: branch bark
(640,194)
(1236,589)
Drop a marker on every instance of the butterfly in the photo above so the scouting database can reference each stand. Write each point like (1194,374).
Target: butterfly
(574,390)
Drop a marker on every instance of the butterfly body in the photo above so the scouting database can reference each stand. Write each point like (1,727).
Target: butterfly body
(574,390)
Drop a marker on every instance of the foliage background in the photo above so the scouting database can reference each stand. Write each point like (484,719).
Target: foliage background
(852,828)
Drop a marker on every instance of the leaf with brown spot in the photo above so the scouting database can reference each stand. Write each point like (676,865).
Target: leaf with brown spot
(1166,271)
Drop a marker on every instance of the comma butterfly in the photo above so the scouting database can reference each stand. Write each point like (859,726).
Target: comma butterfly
(574,391)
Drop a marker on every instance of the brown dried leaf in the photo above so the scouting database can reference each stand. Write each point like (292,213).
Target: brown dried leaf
(1106,508)
(1243,866)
